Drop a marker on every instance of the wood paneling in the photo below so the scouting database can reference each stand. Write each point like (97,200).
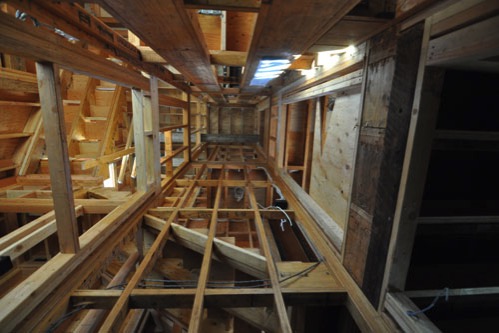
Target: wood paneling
(240,30)
(332,167)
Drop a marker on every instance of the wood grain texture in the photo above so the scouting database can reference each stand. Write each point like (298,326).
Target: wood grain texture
(330,184)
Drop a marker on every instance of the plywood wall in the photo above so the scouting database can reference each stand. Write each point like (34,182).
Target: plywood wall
(332,166)
(232,121)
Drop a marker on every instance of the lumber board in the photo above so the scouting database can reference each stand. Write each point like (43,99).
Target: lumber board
(333,166)
(14,80)
(287,27)
(57,152)
(279,304)
(23,299)
(472,43)
(220,297)
(27,41)
(198,306)
(76,21)
(186,49)
(397,305)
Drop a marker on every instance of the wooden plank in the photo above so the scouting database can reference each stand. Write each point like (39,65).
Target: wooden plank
(234,5)
(416,160)
(285,325)
(139,139)
(87,164)
(230,138)
(397,305)
(239,258)
(14,80)
(94,318)
(286,27)
(27,41)
(120,308)
(154,127)
(361,310)
(186,50)
(462,13)
(57,151)
(476,42)
(228,58)
(219,297)
(26,297)
(198,306)
(74,20)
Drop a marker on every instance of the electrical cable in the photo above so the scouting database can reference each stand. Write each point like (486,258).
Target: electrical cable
(67,315)
(444,292)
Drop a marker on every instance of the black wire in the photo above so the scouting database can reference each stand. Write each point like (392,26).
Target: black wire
(59,321)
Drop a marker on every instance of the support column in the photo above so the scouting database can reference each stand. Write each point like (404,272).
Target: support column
(153,115)
(139,139)
(57,151)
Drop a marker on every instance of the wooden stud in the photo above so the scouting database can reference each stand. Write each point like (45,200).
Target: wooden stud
(57,151)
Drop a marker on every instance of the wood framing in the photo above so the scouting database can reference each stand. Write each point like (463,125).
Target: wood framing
(57,151)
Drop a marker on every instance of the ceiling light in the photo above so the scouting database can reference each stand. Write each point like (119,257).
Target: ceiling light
(268,69)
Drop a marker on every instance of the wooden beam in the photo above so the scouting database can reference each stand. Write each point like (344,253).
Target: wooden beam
(185,50)
(154,127)
(228,58)
(397,305)
(198,306)
(57,151)
(235,5)
(73,19)
(139,138)
(27,41)
(215,298)
(94,318)
(285,28)
(26,297)
(416,160)
(476,42)
(280,306)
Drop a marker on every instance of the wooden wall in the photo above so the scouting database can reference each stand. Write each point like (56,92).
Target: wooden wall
(332,164)
(391,77)
(233,121)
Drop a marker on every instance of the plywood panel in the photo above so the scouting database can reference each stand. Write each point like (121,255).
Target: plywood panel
(330,184)
(296,132)
(13,118)
(240,30)
(211,28)
(377,99)
(357,246)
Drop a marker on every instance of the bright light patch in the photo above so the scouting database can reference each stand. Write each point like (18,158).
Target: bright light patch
(268,69)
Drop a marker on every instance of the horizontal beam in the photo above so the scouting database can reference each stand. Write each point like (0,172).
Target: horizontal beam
(228,58)
(397,305)
(23,299)
(214,298)
(42,206)
(230,138)
(19,38)
(106,159)
(236,5)
(235,256)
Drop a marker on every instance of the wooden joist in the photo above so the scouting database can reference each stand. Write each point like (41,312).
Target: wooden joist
(185,50)
(285,28)
(183,298)
(74,20)
(23,39)
(57,151)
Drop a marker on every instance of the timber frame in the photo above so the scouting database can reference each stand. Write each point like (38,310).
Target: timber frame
(191,233)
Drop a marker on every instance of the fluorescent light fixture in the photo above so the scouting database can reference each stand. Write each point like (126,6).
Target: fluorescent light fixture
(268,69)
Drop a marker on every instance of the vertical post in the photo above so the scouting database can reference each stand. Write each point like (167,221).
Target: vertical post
(155,134)
(187,130)
(57,151)
(139,139)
